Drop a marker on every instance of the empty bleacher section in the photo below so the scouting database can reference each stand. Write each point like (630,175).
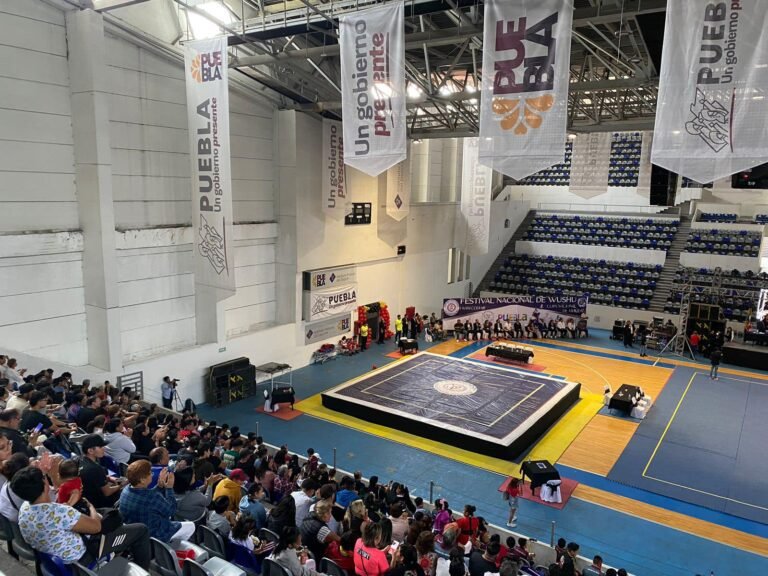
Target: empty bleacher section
(761,218)
(724,242)
(626,232)
(624,167)
(738,294)
(557,175)
(622,284)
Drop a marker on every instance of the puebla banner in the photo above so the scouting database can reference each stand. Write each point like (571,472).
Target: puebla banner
(373,88)
(330,303)
(334,188)
(712,104)
(399,190)
(526,58)
(208,123)
(323,330)
(522,308)
(476,181)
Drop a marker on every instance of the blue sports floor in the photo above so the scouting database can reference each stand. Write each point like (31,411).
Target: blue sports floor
(702,443)
(643,547)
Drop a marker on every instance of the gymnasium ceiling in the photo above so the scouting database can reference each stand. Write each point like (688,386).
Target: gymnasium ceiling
(289,49)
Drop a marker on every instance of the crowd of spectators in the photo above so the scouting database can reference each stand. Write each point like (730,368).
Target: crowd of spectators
(79,462)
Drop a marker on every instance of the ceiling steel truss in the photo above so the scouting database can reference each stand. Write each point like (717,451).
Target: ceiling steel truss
(291,47)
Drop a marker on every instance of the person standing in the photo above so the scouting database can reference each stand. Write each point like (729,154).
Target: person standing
(363,336)
(642,337)
(167,392)
(628,334)
(382,330)
(511,496)
(398,329)
(694,339)
(715,357)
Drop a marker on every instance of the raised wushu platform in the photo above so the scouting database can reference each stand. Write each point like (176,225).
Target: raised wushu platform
(491,410)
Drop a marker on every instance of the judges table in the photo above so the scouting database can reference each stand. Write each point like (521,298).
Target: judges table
(540,472)
(510,352)
(622,399)
(408,344)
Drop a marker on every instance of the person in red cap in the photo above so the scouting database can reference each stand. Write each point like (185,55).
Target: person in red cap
(231,488)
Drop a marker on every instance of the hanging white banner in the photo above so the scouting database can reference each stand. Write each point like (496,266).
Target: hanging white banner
(476,182)
(373,87)
(208,124)
(399,190)
(334,188)
(713,89)
(526,56)
(590,162)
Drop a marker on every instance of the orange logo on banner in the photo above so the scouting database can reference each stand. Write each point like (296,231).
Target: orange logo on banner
(196,71)
(513,119)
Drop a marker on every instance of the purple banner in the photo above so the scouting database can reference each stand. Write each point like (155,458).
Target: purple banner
(512,308)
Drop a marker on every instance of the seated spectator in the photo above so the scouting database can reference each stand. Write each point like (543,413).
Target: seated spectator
(99,488)
(290,554)
(221,517)
(399,518)
(303,499)
(88,412)
(250,505)
(342,552)
(192,503)
(14,374)
(425,549)
(314,530)
(71,487)
(19,400)
(159,459)
(560,549)
(596,569)
(347,492)
(452,566)
(241,532)
(354,518)
(58,529)
(282,515)
(141,437)
(231,488)
(568,565)
(10,502)
(369,559)
(119,446)
(405,562)
(155,507)
(520,551)
(482,562)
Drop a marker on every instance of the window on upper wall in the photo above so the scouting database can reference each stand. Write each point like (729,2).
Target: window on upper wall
(468,261)
(451,265)
(460,276)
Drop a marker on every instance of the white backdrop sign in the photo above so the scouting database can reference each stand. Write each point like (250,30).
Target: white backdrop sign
(330,302)
(526,57)
(590,161)
(208,122)
(373,87)
(399,190)
(712,103)
(334,189)
(476,182)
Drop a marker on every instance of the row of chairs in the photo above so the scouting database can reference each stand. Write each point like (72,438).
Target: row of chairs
(618,300)
(714,217)
(637,242)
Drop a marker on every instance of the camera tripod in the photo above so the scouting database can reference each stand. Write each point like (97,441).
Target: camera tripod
(177,404)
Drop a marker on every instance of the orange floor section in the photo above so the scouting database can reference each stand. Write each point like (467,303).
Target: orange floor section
(599,445)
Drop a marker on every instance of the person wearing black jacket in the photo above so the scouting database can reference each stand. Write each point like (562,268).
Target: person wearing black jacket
(9,425)
(714,359)
(89,411)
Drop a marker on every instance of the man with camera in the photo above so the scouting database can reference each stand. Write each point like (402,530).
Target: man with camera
(168,388)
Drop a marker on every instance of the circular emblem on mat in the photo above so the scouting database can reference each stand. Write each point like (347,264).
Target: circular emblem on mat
(455,387)
(451,307)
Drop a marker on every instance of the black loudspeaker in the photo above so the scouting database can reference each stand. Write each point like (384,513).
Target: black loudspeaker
(401,250)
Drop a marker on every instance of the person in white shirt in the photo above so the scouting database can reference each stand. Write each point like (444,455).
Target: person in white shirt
(304,499)
(20,400)
(15,376)
(3,367)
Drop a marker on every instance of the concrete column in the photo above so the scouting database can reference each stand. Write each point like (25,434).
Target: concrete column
(288,284)
(93,174)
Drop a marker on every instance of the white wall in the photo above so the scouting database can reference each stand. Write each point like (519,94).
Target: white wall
(593,252)
(37,176)
(150,145)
